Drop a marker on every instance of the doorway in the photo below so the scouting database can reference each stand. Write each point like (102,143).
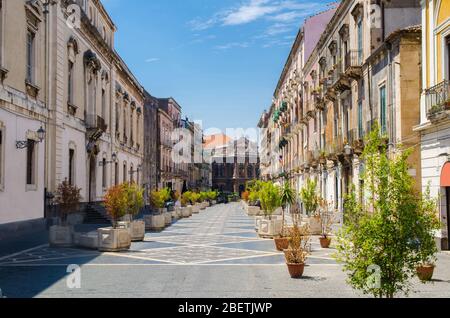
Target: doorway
(92,178)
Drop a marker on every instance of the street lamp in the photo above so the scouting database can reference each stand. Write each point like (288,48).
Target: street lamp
(113,160)
(27,143)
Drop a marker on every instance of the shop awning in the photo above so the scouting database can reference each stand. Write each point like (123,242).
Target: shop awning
(445,176)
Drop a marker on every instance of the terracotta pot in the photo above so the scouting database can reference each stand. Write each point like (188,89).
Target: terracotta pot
(296,270)
(281,243)
(425,272)
(325,242)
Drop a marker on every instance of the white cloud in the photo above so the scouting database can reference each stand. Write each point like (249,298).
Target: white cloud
(250,12)
(152,59)
(232,45)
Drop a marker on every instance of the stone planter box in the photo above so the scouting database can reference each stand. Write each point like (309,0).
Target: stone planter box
(61,236)
(137,230)
(196,209)
(278,211)
(315,226)
(155,222)
(175,215)
(214,202)
(253,210)
(113,240)
(186,211)
(168,218)
(270,228)
(202,205)
(86,240)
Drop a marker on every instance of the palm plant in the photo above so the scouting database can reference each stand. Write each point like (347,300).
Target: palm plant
(287,198)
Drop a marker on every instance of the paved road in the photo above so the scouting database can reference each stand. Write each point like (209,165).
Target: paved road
(213,254)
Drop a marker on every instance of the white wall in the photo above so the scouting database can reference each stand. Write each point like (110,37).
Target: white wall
(16,203)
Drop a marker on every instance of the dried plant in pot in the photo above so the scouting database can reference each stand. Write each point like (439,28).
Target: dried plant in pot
(297,253)
(326,215)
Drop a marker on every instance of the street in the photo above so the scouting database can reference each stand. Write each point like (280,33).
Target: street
(213,254)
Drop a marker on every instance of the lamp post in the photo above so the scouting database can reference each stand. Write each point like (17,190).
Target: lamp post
(113,160)
(22,144)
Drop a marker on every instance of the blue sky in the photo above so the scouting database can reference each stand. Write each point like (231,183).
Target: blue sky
(220,59)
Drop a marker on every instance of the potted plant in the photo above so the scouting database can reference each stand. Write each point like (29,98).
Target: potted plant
(135,201)
(158,200)
(68,198)
(212,195)
(311,202)
(425,242)
(115,239)
(297,253)
(185,203)
(195,198)
(326,222)
(270,201)
(287,199)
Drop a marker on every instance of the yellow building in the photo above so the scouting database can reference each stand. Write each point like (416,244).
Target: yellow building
(435,106)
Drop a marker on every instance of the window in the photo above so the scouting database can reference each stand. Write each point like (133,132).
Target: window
(383,113)
(70,83)
(116,173)
(71,166)
(360,41)
(30,169)
(103,103)
(125,172)
(131,127)
(104,173)
(124,125)
(117,116)
(30,57)
(360,120)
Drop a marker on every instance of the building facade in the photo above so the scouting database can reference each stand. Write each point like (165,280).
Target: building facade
(434,125)
(151,151)
(364,68)
(62,73)
(234,164)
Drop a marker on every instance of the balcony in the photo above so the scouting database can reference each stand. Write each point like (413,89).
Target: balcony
(353,64)
(96,127)
(437,101)
(340,81)
(356,141)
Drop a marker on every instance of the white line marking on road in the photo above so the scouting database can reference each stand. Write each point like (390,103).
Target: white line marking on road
(164,265)
(24,251)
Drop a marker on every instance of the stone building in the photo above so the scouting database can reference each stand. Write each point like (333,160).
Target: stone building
(435,108)
(60,71)
(234,164)
(363,68)
(151,151)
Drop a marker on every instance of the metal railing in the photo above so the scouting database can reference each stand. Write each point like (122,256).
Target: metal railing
(437,98)
(353,59)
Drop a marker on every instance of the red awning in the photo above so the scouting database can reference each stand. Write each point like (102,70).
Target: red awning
(445,176)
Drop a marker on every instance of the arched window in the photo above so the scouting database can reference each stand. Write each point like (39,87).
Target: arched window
(125,172)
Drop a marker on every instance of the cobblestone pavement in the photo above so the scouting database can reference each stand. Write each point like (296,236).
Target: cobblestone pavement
(213,254)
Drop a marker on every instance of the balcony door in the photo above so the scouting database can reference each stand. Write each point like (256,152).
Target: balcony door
(447,39)
(92,178)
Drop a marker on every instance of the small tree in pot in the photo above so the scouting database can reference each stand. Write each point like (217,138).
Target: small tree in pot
(68,198)
(287,198)
(115,239)
(270,199)
(135,202)
(310,201)
(425,242)
(297,253)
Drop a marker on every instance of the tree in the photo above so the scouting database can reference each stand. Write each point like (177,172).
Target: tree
(68,197)
(135,198)
(378,242)
(270,198)
(309,197)
(287,198)
(116,204)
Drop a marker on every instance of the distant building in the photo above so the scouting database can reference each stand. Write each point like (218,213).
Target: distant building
(233,164)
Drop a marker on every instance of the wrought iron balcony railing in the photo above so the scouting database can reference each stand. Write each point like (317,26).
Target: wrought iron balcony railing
(437,99)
